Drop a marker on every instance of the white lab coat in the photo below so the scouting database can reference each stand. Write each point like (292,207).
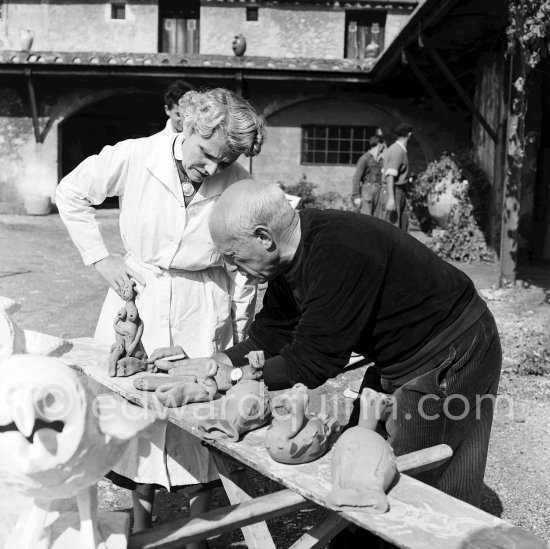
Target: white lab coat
(189,299)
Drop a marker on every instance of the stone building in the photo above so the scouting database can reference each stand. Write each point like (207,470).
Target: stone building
(95,72)
(76,75)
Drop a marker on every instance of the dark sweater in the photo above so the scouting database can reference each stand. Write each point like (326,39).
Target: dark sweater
(357,283)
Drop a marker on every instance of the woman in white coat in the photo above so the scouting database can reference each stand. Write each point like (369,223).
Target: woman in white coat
(168,184)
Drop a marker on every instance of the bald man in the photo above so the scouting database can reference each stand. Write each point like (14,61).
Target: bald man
(341,282)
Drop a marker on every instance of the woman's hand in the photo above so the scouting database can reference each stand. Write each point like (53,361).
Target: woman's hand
(117,273)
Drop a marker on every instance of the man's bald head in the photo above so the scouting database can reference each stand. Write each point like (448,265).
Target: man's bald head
(247,204)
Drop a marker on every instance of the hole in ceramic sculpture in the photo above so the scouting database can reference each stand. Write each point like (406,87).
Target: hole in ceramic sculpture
(38,424)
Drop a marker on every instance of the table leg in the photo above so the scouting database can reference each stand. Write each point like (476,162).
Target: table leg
(256,535)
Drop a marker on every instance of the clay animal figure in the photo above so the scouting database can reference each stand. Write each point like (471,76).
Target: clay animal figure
(56,441)
(16,340)
(296,436)
(245,407)
(127,355)
(176,391)
(363,462)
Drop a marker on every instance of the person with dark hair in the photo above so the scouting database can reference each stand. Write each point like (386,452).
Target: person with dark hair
(172,94)
(392,202)
(367,178)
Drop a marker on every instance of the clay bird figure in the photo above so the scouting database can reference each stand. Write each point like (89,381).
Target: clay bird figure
(363,462)
(56,441)
(295,436)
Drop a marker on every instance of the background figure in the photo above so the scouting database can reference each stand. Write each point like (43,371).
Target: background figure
(391,204)
(169,184)
(367,178)
(172,94)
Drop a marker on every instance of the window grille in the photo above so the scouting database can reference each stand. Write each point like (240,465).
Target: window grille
(335,144)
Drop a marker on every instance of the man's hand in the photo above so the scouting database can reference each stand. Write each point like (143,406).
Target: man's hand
(157,356)
(357,202)
(390,204)
(203,368)
(116,273)
(249,372)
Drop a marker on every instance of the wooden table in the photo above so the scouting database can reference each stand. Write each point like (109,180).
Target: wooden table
(420,517)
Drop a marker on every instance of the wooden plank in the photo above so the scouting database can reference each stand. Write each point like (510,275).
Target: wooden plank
(181,532)
(257,536)
(424,460)
(425,82)
(420,517)
(458,88)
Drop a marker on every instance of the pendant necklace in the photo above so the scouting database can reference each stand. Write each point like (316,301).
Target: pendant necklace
(187,186)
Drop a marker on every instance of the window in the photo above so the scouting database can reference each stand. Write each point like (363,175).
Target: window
(118,11)
(252,14)
(335,144)
(179,26)
(363,29)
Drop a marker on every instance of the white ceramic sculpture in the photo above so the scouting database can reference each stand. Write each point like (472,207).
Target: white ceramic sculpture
(56,441)
(15,340)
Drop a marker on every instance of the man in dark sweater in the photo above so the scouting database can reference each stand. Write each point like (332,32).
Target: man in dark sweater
(342,282)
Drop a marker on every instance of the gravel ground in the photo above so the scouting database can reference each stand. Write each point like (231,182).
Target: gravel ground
(40,268)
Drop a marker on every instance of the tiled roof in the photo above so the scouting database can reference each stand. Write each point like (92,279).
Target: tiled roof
(356,4)
(244,63)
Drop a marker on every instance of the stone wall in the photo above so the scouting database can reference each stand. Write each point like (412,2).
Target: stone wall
(395,21)
(279,32)
(280,159)
(81,26)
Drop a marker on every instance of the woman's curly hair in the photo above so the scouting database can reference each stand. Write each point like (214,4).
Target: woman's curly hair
(218,109)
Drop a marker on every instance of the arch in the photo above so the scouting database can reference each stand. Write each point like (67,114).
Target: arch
(87,121)
(430,131)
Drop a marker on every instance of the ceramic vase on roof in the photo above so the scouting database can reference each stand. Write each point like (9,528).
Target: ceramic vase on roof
(239,45)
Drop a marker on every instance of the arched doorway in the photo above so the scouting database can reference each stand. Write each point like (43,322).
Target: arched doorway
(106,122)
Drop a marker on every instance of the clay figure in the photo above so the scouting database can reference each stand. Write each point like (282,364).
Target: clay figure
(245,407)
(178,393)
(56,441)
(296,436)
(174,391)
(363,462)
(128,328)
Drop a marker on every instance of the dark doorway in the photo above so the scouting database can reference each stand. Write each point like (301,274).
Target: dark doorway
(107,122)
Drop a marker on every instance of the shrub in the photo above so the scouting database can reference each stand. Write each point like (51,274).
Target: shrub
(305,189)
(463,239)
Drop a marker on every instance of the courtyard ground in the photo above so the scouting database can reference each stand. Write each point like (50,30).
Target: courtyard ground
(40,268)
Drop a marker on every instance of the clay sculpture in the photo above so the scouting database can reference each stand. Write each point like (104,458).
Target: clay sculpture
(127,355)
(245,407)
(363,462)
(176,391)
(295,436)
(15,340)
(57,441)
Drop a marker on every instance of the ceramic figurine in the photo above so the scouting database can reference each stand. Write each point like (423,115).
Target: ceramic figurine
(128,328)
(239,45)
(56,441)
(245,407)
(15,340)
(296,437)
(363,462)
(178,393)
